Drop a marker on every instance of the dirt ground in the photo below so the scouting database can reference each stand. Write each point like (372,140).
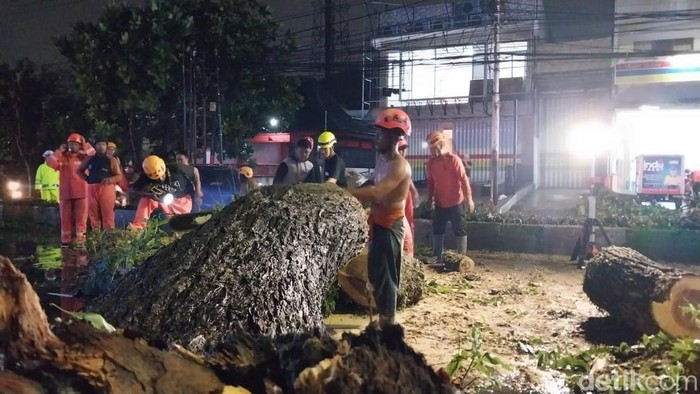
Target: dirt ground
(520,302)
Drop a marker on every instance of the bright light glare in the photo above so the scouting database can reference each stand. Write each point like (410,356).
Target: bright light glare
(590,140)
(649,108)
(424,145)
(685,61)
(13,186)
(274,122)
(16,194)
(168,199)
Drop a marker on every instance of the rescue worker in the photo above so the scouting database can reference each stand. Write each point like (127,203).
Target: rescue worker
(112,151)
(104,173)
(448,191)
(72,189)
(412,198)
(392,179)
(333,170)
(183,159)
(695,182)
(297,166)
(160,186)
(47,180)
(245,177)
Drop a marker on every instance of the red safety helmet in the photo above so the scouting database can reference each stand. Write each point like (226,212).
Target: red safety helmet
(75,137)
(394,118)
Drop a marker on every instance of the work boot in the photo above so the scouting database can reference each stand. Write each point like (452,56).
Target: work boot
(438,244)
(462,244)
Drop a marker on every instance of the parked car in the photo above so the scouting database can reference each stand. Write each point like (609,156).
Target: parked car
(219,185)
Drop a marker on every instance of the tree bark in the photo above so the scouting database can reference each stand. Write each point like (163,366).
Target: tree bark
(353,280)
(641,293)
(77,358)
(265,262)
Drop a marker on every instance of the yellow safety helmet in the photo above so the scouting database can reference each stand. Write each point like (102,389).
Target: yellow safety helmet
(154,167)
(326,139)
(246,172)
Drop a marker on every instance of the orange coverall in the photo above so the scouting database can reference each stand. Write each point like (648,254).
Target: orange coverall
(180,205)
(72,192)
(102,195)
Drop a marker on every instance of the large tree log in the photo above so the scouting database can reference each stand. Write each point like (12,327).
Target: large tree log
(79,358)
(642,293)
(266,261)
(353,280)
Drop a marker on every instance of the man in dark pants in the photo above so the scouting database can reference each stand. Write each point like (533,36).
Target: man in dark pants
(449,191)
(392,179)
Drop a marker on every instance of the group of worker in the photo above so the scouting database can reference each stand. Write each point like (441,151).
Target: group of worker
(86,181)
(392,196)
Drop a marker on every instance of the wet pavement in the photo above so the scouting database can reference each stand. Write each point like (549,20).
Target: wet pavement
(56,274)
(551,202)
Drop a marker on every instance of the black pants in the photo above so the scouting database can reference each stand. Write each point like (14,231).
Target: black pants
(384,265)
(456,215)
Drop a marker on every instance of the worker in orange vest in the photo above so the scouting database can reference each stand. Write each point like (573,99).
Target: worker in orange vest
(104,173)
(72,190)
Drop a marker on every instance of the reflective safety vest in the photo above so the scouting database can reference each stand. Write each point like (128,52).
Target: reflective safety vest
(46,178)
(296,171)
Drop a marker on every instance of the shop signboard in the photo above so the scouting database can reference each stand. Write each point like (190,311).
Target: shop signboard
(660,175)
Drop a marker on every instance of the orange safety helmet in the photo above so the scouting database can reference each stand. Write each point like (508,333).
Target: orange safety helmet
(154,167)
(394,118)
(434,137)
(246,172)
(111,145)
(75,137)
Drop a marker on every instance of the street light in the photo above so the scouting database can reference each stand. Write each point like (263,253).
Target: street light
(274,122)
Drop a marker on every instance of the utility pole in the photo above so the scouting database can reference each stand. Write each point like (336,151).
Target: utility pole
(330,36)
(496,101)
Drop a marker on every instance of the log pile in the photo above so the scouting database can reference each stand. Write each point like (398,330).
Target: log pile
(265,262)
(641,293)
(75,357)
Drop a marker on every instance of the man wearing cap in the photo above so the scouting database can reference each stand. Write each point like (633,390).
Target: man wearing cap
(47,180)
(449,191)
(297,166)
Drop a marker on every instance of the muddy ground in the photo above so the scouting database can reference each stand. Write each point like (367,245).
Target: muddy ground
(520,302)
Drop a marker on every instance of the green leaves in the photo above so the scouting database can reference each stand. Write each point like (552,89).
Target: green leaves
(94,319)
(136,67)
(479,364)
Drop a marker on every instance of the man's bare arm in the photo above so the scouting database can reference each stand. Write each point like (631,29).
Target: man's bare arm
(197,184)
(397,173)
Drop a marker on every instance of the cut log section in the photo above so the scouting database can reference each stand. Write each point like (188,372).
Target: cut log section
(77,358)
(353,280)
(266,261)
(641,293)
(456,262)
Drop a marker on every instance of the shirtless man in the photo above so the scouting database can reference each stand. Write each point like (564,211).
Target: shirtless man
(392,179)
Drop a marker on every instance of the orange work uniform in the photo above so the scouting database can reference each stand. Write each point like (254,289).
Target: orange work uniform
(104,173)
(72,192)
(181,187)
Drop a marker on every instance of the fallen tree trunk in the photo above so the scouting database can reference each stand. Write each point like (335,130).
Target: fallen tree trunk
(641,293)
(353,280)
(266,261)
(76,357)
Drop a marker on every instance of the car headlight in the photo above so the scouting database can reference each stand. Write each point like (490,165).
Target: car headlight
(16,194)
(13,186)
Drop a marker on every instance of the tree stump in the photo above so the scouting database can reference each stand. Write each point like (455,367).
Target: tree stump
(77,358)
(456,262)
(265,261)
(353,280)
(641,293)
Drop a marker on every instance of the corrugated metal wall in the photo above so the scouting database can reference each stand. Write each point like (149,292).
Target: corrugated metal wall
(558,114)
(470,136)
